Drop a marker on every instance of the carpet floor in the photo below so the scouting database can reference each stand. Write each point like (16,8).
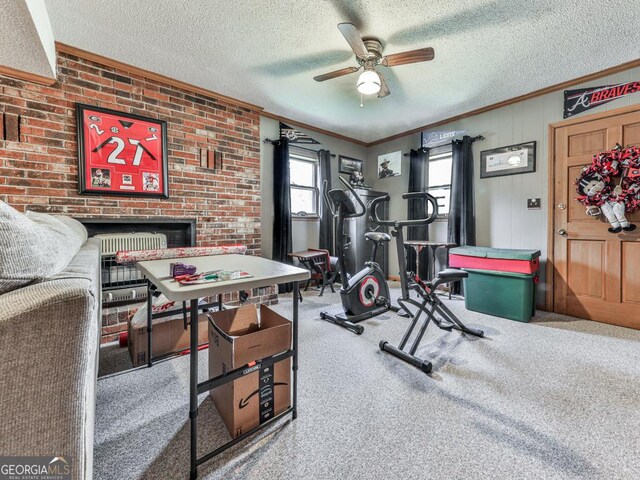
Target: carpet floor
(555,398)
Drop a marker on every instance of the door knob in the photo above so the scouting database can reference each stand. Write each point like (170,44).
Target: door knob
(562,206)
(561,231)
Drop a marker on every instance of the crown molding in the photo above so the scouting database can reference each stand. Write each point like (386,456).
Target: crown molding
(537,93)
(306,126)
(27,76)
(94,57)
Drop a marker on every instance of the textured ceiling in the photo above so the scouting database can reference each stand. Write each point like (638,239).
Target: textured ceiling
(26,41)
(267,52)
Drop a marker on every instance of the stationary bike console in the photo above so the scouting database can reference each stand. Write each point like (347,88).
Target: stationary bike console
(341,199)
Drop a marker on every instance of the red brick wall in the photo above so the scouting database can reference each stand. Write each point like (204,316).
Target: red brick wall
(40,172)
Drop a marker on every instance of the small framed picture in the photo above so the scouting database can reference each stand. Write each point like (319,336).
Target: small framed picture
(390,164)
(101,178)
(510,160)
(349,165)
(121,154)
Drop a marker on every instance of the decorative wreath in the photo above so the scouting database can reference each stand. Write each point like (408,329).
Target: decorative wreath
(604,166)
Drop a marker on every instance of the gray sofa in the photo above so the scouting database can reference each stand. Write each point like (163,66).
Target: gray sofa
(49,338)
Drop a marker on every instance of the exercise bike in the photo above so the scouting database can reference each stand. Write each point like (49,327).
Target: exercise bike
(366,293)
(428,304)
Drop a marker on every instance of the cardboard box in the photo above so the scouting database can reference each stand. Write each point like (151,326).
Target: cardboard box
(167,337)
(237,337)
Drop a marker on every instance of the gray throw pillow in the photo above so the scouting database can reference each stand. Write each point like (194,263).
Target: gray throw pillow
(35,246)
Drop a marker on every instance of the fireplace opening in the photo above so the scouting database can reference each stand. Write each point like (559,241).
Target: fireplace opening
(123,284)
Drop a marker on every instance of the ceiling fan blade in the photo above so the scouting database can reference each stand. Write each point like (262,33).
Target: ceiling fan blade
(352,36)
(412,56)
(337,73)
(384,88)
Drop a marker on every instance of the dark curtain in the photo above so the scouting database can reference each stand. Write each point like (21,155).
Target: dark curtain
(461,228)
(282,242)
(418,176)
(326,219)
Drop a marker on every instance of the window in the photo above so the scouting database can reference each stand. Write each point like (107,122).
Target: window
(439,175)
(303,168)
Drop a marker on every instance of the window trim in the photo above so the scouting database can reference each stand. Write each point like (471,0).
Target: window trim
(306,155)
(443,153)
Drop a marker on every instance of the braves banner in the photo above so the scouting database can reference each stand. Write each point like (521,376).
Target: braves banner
(577,101)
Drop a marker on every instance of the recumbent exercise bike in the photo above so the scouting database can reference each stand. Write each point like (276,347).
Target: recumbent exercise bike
(428,302)
(366,293)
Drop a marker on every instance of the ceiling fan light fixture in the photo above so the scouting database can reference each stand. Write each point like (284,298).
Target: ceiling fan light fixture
(369,82)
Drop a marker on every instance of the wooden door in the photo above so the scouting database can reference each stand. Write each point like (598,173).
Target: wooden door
(596,273)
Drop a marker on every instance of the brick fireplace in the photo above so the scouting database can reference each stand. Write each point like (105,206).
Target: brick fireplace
(40,170)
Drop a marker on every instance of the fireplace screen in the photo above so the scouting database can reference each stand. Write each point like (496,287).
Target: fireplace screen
(124,282)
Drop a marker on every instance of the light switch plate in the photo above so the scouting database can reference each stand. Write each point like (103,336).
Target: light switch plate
(534,203)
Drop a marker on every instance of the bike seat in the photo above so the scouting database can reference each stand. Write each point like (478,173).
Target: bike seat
(377,237)
(451,274)
(447,275)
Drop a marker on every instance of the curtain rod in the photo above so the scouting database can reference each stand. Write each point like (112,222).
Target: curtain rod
(473,139)
(273,142)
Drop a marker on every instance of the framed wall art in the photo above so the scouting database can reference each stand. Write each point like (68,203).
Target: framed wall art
(121,154)
(390,164)
(510,160)
(349,165)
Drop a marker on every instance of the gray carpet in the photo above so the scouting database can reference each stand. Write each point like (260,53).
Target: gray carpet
(555,398)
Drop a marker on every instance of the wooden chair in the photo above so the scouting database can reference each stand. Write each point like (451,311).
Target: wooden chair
(322,270)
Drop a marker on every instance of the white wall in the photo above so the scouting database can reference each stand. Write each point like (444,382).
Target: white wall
(305,232)
(502,217)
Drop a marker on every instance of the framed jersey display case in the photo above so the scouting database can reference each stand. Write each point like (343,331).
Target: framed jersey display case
(121,154)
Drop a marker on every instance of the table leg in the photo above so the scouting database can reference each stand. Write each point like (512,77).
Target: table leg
(193,387)
(432,261)
(149,323)
(418,249)
(295,350)
(451,284)
(185,320)
(406,258)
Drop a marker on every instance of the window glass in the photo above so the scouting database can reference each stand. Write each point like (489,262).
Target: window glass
(302,172)
(302,201)
(303,168)
(440,172)
(440,180)
(442,196)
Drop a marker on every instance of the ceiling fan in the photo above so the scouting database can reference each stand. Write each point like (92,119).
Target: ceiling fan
(369,55)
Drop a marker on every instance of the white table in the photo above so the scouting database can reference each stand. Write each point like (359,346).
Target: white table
(264,273)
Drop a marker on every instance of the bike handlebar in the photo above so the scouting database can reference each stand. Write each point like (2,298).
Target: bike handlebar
(405,223)
(357,197)
(325,194)
(327,200)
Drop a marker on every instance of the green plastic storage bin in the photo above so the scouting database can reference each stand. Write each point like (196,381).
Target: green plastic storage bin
(503,294)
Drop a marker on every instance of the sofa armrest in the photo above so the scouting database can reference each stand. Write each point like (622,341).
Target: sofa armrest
(49,339)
